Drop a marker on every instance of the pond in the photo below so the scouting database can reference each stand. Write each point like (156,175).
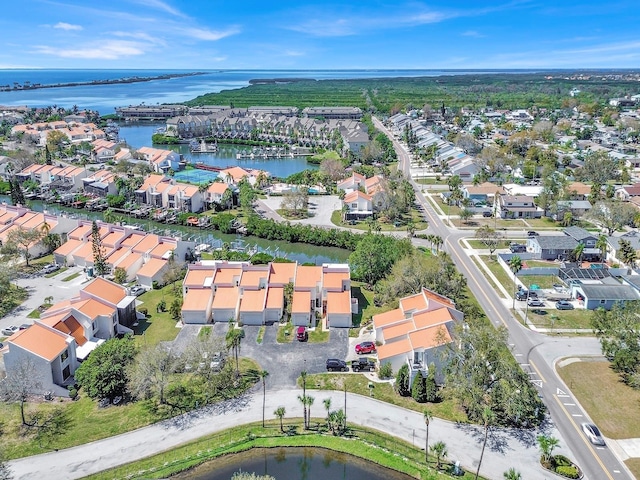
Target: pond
(307,463)
(300,252)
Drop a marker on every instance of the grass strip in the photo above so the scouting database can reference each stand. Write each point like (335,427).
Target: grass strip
(71,277)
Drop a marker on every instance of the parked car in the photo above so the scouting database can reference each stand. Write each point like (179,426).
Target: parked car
(365,347)
(24,326)
(532,233)
(593,434)
(7,332)
(137,290)
(50,268)
(525,294)
(301,334)
(363,364)
(487,214)
(535,302)
(517,248)
(336,365)
(564,305)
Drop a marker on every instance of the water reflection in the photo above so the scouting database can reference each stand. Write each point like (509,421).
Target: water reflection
(292,464)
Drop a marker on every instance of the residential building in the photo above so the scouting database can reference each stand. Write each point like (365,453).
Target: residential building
(518,206)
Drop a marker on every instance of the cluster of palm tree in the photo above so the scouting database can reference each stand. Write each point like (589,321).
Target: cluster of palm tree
(435,241)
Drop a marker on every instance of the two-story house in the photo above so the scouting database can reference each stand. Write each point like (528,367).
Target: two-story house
(518,206)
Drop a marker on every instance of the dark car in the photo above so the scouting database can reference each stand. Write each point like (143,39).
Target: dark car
(487,214)
(525,294)
(363,364)
(593,434)
(532,233)
(336,365)
(517,248)
(365,347)
(564,305)
(301,334)
(24,326)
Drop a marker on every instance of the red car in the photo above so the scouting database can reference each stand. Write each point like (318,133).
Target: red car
(366,347)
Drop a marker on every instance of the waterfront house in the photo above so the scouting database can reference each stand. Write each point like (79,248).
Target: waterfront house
(358,205)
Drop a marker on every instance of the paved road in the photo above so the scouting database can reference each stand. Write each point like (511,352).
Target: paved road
(597,463)
(505,449)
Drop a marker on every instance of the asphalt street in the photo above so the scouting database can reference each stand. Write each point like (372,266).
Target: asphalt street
(597,463)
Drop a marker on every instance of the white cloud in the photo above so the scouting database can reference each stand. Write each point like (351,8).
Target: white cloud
(160,5)
(293,53)
(209,35)
(140,36)
(109,50)
(67,26)
(472,33)
(219,59)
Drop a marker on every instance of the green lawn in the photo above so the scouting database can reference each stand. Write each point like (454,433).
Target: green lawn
(446,209)
(260,334)
(358,383)
(34,313)
(367,309)
(285,333)
(73,276)
(495,287)
(158,327)
(542,281)
(318,335)
(414,216)
(539,263)
(544,222)
(571,319)
(57,272)
(478,245)
(431,181)
(205,332)
(503,277)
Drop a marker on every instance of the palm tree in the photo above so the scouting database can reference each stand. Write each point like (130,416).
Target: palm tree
(263,375)
(427,418)
(411,229)
(234,337)
(512,474)
(602,244)
(547,445)
(310,401)
(487,419)
(327,406)
(279,412)
(578,252)
(303,400)
(439,449)
(515,264)
(437,240)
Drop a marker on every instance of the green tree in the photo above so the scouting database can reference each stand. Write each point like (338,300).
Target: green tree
(419,388)
(603,246)
(327,405)
(16,193)
(547,445)
(578,252)
(567,219)
(428,416)
(280,413)
(247,195)
(612,214)
(431,386)
(626,253)
(454,182)
(23,239)
(487,421)
(512,474)
(104,373)
(439,449)
(99,253)
(175,309)
(120,275)
(402,381)
(263,376)
(490,238)
(515,265)
(151,371)
(234,339)
(619,334)
(374,256)
(465,214)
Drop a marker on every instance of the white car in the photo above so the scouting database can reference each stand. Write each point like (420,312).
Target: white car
(10,330)
(593,434)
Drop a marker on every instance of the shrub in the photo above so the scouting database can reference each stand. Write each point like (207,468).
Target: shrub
(73,393)
(568,471)
(431,389)
(386,371)
(419,388)
(155,285)
(402,381)
(143,310)
(561,460)
(162,305)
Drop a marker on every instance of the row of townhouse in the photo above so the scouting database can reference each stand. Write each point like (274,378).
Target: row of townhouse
(14,218)
(143,256)
(219,291)
(66,333)
(362,194)
(107,150)
(74,131)
(417,333)
(160,160)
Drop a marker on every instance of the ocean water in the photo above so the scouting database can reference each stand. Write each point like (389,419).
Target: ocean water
(105,98)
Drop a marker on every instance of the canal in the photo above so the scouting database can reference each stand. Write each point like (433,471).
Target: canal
(300,252)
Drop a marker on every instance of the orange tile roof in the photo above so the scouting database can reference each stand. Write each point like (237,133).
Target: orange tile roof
(252,278)
(392,349)
(218,188)
(225,276)
(106,290)
(197,299)
(353,196)
(414,302)
(53,320)
(70,326)
(237,173)
(86,250)
(152,267)
(339,302)
(435,297)
(308,276)
(68,247)
(112,238)
(333,280)
(253,301)
(132,239)
(397,330)
(429,337)
(117,255)
(198,277)
(275,297)
(226,297)
(161,250)
(388,318)
(432,317)
(40,341)
(149,242)
(92,308)
(282,273)
(301,302)
(129,260)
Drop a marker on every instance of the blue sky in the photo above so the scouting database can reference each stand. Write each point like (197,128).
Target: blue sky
(310,34)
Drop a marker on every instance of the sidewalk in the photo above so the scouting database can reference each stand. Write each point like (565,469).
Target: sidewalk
(505,448)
